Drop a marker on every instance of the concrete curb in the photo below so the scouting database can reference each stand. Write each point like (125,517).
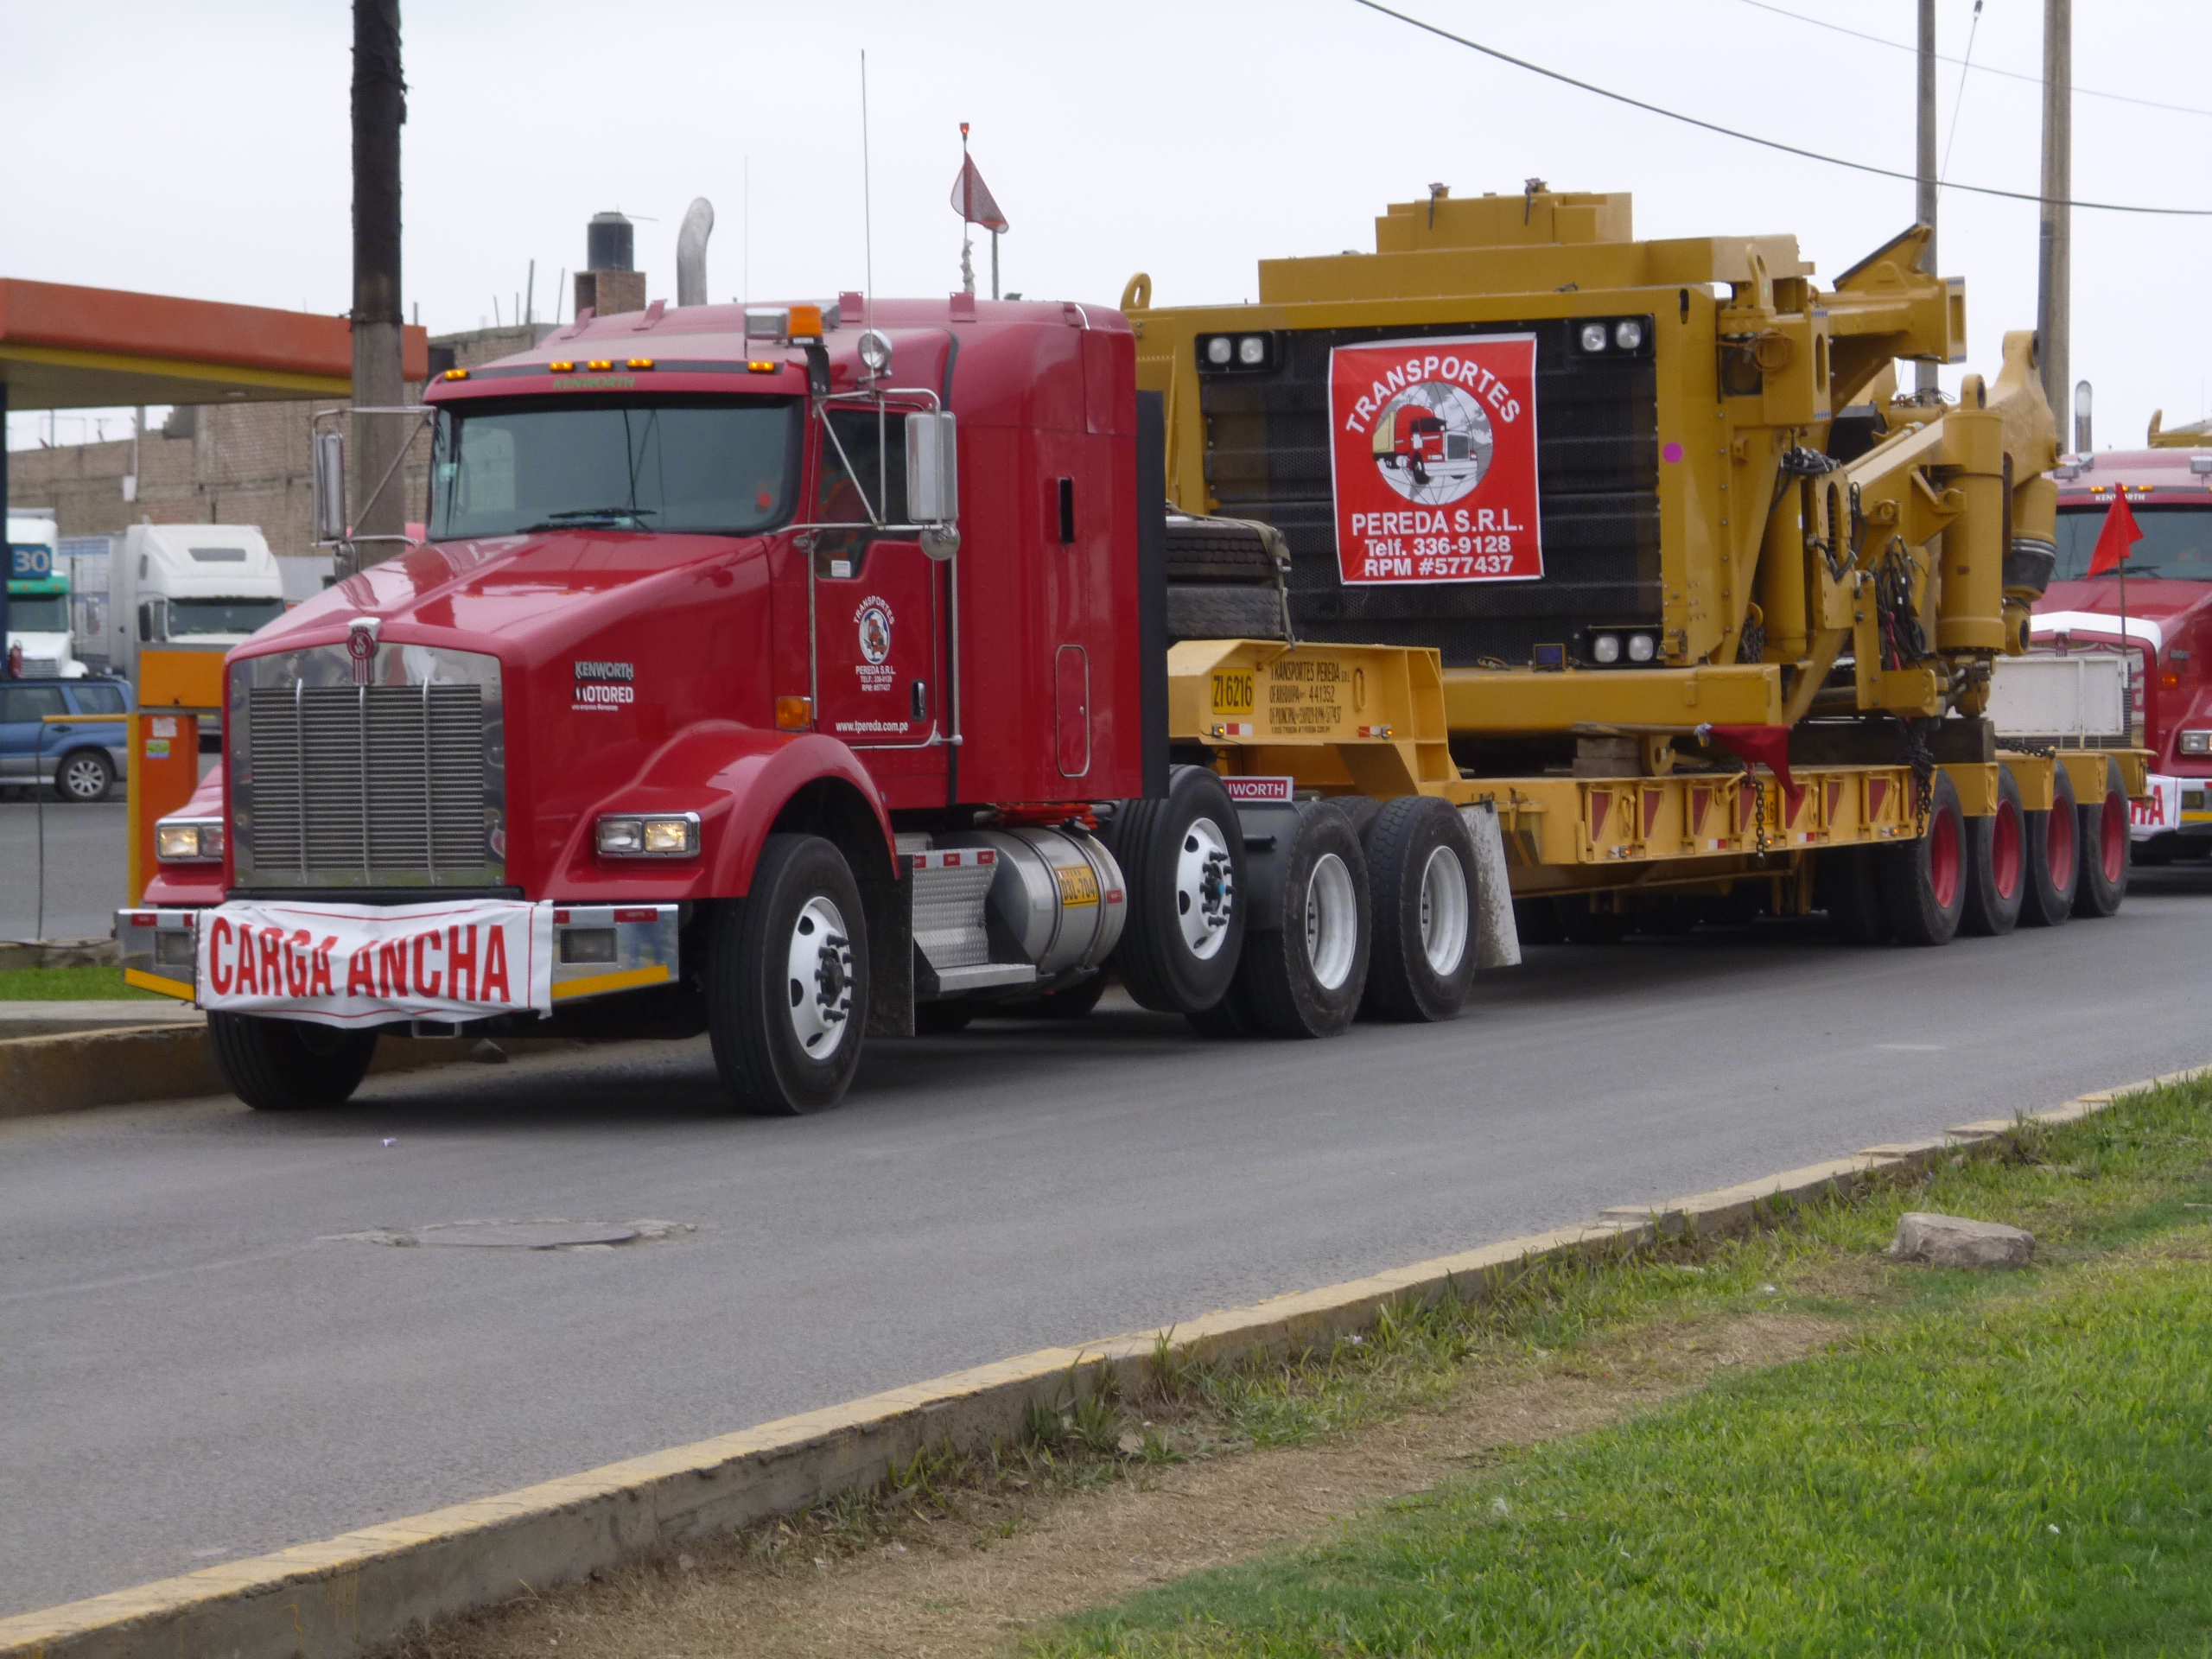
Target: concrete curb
(366,1588)
(76,1070)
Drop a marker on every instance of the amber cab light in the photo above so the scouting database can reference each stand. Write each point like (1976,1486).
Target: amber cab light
(599,364)
(561,366)
(455,374)
(757,366)
(641,363)
(806,323)
(794,714)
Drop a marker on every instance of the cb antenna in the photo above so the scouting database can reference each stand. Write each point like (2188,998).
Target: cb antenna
(867,212)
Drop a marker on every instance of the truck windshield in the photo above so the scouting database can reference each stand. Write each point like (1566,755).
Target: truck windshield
(221,615)
(721,466)
(38,613)
(2177,544)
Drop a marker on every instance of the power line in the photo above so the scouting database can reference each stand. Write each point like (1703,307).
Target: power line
(1959,103)
(1753,138)
(1987,69)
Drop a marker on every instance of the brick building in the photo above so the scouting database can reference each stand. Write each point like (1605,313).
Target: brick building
(215,464)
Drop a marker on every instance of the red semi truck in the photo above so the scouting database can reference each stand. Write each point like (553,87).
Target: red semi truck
(2161,596)
(723,696)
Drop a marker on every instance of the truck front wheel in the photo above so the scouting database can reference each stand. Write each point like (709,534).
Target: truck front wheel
(288,1065)
(787,982)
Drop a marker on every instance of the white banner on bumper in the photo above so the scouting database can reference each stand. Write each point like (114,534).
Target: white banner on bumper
(367,964)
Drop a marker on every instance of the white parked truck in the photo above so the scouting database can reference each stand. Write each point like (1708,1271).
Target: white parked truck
(189,585)
(38,599)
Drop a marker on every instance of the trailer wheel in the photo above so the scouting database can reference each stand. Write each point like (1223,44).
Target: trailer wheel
(1845,888)
(1997,863)
(289,1065)
(787,981)
(2054,865)
(1305,968)
(2105,848)
(1184,860)
(1420,877)
(1923,881)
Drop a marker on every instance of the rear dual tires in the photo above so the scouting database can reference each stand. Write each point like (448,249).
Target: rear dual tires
(1183,858)
(288,1065)
(2106,849)
(787,981)
(1421,871)
(1997,864)
(1304,968)
(2053,857)
(1923,881)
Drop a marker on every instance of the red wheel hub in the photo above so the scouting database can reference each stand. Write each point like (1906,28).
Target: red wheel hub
(1943,860)
(2058,845)
(2112,850)
(2005,860)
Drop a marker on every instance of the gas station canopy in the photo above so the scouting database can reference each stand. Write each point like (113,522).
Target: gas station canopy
(64,347)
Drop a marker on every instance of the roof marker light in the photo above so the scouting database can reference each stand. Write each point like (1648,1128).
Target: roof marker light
(455,374)
(641,363)
(597,364)
(561,366)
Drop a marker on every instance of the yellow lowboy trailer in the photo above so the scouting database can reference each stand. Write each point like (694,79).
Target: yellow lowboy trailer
(1636,542)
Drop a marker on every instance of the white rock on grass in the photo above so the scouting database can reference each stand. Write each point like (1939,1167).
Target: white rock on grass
(1954,1242)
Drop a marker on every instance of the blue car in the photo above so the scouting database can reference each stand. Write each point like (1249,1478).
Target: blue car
(71,733)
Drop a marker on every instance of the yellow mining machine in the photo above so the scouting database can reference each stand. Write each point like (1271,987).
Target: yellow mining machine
(1664,567)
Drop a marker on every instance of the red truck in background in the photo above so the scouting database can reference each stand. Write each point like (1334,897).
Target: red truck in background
(2165,608)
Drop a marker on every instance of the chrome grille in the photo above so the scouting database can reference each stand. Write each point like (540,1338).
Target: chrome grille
(367,783)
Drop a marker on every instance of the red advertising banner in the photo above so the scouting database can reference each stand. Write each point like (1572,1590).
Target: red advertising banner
(1434,459)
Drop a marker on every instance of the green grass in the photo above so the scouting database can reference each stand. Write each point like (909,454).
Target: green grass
(69,985)
(2003,1463)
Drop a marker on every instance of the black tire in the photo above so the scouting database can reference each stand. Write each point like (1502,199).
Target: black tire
(788,1044)
(1304,968)
(1069,1002)
(942,1019)
(1422,898)
(289,1065)
(83,777)
(1997,863)
(1181,856)
(2105,841)
(1923,881)
(1212,550)
(1847,889)
(2054,863)
(1581,922)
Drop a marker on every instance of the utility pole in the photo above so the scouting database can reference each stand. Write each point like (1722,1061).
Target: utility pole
(379,110)
(2053,290)
(1926,377)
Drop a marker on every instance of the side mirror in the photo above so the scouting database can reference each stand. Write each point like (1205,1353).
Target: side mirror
(933,478)
(327,484)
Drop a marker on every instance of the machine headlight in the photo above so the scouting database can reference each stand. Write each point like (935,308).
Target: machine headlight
(188,840)
(1628,334)
(662,835)
(1605,648)
(1593,336)
(1219,349)
(1642,647)
(1252,350)
(2196,743)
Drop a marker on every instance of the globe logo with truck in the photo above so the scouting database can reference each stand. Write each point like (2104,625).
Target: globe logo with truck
(1432,443)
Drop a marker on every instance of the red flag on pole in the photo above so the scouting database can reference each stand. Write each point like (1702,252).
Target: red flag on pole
(972,199)
(2120,534)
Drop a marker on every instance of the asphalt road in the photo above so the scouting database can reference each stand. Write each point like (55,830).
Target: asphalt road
(84,875)
(193,1369)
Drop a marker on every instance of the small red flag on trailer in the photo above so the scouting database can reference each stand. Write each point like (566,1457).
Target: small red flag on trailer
(972,199)
(2119,536)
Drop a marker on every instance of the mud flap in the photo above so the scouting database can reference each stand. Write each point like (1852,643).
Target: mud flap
(1498,941)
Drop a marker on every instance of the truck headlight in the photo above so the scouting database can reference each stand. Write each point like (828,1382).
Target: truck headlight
(1219,349)
(1594,335)
(1628,334)
(1642,647)
(1605,648)
(2196,743)
(188,840)
(658,835)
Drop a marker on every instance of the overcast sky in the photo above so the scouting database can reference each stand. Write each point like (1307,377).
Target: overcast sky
(203,150)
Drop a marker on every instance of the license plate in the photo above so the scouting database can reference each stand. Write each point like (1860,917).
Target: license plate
(362,964)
